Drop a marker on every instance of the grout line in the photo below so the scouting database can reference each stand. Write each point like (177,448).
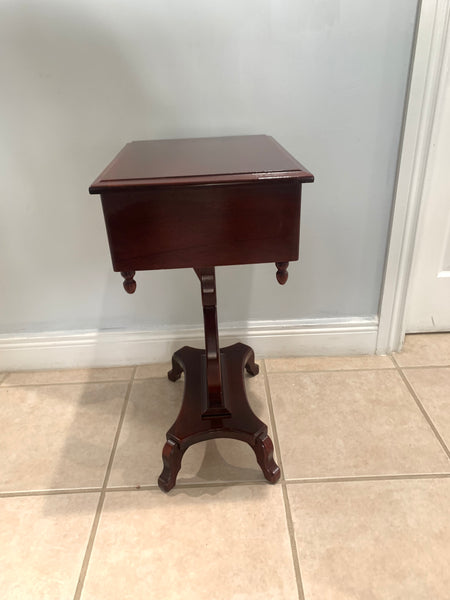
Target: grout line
(362,478)
(299,480)
(16,385)
(3,377)
(188,486)
(159,377)
(274,372)
(208,484)
(235,483)
(425,367)
(124,380)
(132,488)
(276,443)
(294,549)
(90,545)
(391,358)
(54,492)
(301,371)
(422,409)
(287,506)
(272,416)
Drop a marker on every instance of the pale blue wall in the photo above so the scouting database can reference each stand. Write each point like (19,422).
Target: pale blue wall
(326,78)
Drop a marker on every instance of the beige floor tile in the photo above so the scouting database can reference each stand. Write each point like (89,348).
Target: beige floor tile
(426,349)
(154,370)
(432,386)
(153,407)
(196,543)
(42,544)
(351,423)
(378,540)
(57,436)
(68,376)
(328,363)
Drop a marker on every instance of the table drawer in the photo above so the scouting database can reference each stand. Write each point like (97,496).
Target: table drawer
(226,224)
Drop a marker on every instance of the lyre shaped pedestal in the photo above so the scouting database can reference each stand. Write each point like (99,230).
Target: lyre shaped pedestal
(215,403)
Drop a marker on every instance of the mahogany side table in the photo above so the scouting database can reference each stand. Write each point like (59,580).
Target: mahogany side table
(201,203)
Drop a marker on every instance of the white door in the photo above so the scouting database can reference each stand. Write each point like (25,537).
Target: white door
(428,298)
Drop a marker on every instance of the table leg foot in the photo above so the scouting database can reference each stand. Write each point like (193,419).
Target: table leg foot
(175,373)
(251,367)
(171,456)
(241,423)
(263,448)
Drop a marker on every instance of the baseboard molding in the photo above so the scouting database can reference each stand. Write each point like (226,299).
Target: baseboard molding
(78,349)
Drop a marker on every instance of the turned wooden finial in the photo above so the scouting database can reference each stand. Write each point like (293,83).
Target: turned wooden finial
(282,274)
(129,284)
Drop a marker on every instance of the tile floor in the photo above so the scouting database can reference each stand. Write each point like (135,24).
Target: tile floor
(362,510)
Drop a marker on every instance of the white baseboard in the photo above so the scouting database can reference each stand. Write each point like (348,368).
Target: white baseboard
(78,349)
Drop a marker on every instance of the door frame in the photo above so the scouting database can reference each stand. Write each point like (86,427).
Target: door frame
(431,35)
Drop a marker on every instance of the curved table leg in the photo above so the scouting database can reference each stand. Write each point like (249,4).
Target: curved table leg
(171,456)
(192,427)
(177,369)
(251,367)
(263,448)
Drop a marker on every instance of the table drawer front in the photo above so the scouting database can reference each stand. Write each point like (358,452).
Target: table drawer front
(163,228)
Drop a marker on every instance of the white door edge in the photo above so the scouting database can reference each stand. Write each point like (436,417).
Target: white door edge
(425,76)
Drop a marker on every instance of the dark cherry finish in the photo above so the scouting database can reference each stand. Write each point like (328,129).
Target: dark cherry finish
(282,274)
(200,203)
(191,427)
(198,161)
(129,284)
(203,226)
(213,405)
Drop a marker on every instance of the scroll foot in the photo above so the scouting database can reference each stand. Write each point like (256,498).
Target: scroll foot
(171,456)
(251,367)
(264,455)
(129,284)
(282,274)
(175,373)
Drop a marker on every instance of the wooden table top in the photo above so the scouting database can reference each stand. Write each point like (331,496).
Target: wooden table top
(195,161)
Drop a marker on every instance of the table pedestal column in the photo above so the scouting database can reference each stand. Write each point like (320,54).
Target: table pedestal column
(215,403)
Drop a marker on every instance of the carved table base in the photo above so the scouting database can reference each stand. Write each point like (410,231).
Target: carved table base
(238,421)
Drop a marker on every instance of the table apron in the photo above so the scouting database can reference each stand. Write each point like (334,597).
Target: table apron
(201,226)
